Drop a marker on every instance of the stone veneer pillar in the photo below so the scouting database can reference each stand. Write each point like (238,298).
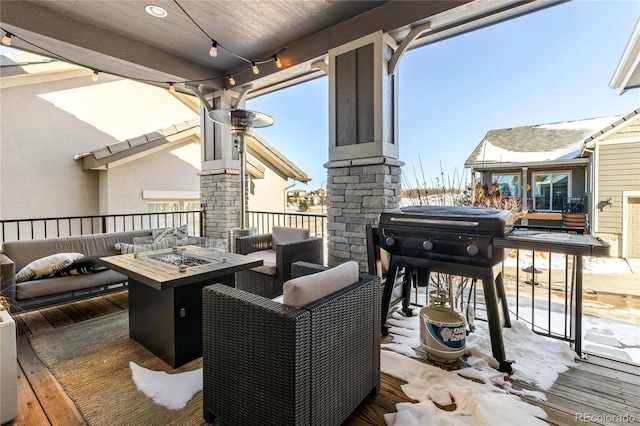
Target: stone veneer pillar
(219,193)
(359,190)
(363,172)
(220,175)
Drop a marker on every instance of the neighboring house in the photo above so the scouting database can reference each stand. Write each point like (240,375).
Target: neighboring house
(614,154)
(539,164)
(70,146)
(625,77)
(586,166)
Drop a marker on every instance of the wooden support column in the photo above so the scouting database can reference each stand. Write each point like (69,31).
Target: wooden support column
(363,176)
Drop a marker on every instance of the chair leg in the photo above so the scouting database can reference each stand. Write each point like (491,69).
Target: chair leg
(209,417)
(375,390)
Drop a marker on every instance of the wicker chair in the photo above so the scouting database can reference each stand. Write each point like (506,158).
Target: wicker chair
(278,251)
(266,363)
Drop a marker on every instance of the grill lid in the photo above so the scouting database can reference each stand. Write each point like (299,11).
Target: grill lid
(461,217)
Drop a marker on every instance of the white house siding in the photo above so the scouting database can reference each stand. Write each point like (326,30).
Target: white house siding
(38,174)
(39,137)
(268,194)
(161,171)
(618,171)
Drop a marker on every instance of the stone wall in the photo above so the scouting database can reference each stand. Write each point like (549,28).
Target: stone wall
(219,193)
(358,191)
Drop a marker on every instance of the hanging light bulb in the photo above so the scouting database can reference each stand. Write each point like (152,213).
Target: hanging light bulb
(172,88)
(254,67)
(214,49)
(278,62)
(232,81)
(95,75)
(6,40)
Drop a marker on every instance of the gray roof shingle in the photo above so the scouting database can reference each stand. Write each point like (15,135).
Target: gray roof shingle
(541,142)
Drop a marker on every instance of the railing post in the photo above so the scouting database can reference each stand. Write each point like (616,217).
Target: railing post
(578,317)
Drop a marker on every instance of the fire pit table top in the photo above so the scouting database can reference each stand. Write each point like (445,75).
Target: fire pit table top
(150,268)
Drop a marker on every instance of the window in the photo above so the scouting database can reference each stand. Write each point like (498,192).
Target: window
(551,190)
(163,219)
(165,204)
(508,184)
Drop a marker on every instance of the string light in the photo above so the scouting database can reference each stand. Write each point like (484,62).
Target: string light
(172,88)
(253,65)
(213,52)
(6,40)
(214,49)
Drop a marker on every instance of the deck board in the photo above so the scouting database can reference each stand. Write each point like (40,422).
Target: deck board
(56,317)
(30,412)
(55,402)
(598,385)
(623,392)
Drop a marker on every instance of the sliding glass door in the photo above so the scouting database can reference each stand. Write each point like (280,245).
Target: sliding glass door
(550,191)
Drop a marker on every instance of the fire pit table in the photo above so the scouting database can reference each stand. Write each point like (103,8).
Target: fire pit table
(165,295)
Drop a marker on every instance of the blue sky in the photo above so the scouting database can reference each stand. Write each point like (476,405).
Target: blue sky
(549,66)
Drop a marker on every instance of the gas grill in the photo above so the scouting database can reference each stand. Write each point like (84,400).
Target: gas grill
(464,241)
(455,240)
(457,234)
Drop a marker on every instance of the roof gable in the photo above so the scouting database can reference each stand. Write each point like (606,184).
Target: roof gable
(541,142)
(132,149)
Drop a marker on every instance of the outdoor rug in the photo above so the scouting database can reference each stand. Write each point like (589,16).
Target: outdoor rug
(91,360)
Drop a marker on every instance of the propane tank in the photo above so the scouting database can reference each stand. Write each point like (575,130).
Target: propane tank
(442,329)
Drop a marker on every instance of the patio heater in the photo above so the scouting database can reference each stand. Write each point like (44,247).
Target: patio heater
(241,122)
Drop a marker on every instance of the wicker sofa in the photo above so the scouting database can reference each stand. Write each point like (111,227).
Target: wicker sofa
(269,363)
(278,250)
(38,293)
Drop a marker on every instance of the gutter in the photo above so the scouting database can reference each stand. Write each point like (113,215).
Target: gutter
(549,163)
(286,188)
(81,156)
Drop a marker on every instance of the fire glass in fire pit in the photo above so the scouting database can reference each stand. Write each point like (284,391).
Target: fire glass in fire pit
(179,259)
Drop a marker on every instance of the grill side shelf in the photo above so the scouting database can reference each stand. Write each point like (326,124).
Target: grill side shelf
(555,242)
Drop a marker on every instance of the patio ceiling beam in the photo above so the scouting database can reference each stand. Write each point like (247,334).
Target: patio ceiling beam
(89,44)
(388,17)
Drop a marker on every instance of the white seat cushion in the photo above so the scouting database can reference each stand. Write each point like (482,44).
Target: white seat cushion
(268,258)
(309,288)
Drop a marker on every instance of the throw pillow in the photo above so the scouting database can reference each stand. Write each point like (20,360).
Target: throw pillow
(309,288)
(159,234)
(126,248)
(48,265)
(83,266)
(180,233)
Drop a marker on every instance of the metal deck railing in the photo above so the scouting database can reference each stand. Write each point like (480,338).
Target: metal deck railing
(552,309)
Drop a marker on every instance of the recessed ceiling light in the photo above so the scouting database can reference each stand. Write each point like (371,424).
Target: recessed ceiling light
(155,11)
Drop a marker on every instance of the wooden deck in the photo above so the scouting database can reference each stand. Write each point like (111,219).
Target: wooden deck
(594,393)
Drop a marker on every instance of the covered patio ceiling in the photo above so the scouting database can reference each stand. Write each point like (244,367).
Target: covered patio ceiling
(119,37)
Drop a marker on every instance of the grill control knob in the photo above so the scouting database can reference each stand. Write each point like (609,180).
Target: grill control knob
(472,249)
(390,241)
(427,245)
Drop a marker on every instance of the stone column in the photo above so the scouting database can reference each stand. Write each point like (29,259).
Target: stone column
(363,176)
(359,191)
